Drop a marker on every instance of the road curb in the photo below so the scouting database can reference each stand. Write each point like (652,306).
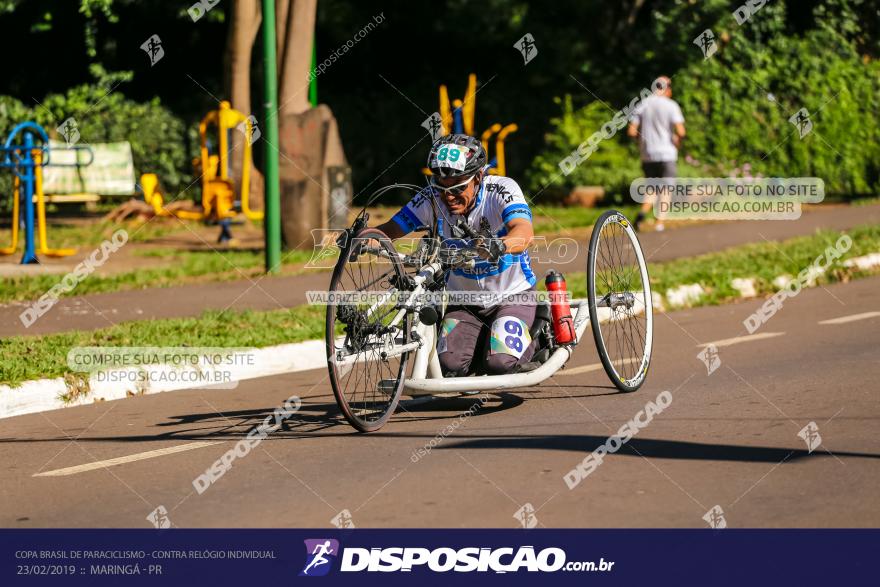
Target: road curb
(64,392)
(685,295)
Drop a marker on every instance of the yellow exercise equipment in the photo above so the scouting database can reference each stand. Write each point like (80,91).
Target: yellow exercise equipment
(40,199)
(445,111)
(41,211)
(11,249)
(499,148)
(153,197)
(218,189)
(469,106)
(484,138)
(458,116)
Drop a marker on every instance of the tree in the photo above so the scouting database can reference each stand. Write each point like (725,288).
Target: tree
(295,37)
(294,32)
(243,28)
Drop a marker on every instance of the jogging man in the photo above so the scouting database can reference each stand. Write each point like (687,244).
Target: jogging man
(491,325)
(319,552)
(658,124)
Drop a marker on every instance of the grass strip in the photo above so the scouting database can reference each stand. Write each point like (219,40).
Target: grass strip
(37,357)
(763,261)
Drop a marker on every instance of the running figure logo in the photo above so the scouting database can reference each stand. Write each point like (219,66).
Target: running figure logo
(159,518)
(320,553)
(706,42)
(810,435)
(343,520)
(715,518)
(153,48)
(69,130)
(526,516)
(801,121)
(526,46)
(434,125)
(710,358)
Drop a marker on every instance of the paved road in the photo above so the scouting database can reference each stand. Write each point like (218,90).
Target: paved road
(728,439)
(270,293)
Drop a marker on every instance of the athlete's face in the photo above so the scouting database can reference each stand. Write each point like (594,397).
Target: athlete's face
(459,199)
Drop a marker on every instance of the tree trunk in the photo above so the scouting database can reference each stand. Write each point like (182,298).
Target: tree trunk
(309,140)
(295,54)
(243,28)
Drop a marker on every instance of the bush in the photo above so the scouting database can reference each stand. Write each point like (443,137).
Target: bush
(613,165)
(158,138)
(737,106)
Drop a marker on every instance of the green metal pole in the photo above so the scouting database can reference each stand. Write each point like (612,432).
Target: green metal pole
(272,217)
(313,85)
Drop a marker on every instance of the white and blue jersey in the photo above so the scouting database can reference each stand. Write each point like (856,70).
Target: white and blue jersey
(499,200)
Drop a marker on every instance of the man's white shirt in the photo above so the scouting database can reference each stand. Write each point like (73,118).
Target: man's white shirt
(499,200)
(657,117)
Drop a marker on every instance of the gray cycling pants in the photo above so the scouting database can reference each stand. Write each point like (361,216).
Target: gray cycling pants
(488,340)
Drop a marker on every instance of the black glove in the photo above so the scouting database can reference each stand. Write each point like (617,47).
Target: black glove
(491,249)
(357,245)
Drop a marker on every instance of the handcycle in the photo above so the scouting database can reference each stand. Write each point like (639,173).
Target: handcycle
(385,306)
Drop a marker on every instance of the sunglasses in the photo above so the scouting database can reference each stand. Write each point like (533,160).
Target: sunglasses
(455,190)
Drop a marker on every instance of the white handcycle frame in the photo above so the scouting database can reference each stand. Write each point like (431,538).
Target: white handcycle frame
(427,377)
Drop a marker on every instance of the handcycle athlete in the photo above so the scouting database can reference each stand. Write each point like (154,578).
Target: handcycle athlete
(475,252)
(492,306)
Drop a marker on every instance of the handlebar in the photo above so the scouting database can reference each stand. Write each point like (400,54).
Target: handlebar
(460,257)
(464,257)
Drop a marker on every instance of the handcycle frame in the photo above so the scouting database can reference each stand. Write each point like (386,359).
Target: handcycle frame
(427,378)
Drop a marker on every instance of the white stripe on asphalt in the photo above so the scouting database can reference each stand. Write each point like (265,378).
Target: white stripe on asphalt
(589,368)
(739,339)
(851,318)
(151,454)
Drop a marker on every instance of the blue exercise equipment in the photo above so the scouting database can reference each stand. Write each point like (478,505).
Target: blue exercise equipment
(26,161)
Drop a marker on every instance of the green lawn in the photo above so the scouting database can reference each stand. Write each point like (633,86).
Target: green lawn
(91,234)
(35,357)
(763,261)
(551,219)
(181,267)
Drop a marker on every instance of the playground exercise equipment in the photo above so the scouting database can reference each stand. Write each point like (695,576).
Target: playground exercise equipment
(219,189)
(457,117)
(27,160)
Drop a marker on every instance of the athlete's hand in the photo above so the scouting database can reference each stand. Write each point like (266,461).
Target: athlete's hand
(359,245)
(491,249)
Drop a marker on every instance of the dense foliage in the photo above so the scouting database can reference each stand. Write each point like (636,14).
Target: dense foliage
(158,138)
(814,54)
(738,102)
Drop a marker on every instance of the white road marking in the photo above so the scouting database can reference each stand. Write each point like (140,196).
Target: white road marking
(851,318)
(739,339)
(151,454)
(589,368)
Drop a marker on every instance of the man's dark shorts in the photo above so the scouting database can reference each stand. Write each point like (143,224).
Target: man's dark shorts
(492,340)
(659,169)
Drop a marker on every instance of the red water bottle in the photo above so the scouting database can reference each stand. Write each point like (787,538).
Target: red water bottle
(563,324)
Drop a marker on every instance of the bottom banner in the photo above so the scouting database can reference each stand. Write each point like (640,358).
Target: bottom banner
(438,557)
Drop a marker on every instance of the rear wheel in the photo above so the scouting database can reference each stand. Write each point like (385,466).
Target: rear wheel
(619,297)
(367,378)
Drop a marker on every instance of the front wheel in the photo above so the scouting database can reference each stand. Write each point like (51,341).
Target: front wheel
(619,298)
(364,325)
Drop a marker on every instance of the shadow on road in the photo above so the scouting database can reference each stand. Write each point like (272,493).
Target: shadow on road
(313,420)
(647,447)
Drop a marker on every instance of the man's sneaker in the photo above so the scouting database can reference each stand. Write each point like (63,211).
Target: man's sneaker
(638,221)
